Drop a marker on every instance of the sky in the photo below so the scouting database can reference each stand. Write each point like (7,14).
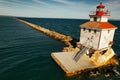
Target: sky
(77,9)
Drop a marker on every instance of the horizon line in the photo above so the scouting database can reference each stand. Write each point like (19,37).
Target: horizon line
(48,17)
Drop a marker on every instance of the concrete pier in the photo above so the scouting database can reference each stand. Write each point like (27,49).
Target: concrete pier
(71,67)
(64,38)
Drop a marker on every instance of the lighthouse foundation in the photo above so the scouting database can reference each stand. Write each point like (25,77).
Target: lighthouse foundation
(71,67)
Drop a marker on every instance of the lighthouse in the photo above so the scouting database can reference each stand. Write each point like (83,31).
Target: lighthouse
(97,33)
(94,48)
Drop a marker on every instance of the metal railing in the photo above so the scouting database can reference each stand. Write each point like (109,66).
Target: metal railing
(107,13)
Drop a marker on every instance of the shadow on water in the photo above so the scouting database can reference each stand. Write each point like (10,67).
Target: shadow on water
(109,72)
(74,41)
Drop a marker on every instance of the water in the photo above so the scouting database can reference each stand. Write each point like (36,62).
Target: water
(25,52)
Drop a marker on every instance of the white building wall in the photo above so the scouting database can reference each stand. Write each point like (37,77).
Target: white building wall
(104,19)
(106,37)
(98,19)
(91,19)
(89,38)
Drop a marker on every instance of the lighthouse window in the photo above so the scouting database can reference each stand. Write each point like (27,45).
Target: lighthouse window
(83,29)
(89,30)
(108,31)
(97,10)
(95,18)
(95,31)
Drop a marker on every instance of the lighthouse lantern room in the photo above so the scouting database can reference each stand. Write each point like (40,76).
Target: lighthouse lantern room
(97,33)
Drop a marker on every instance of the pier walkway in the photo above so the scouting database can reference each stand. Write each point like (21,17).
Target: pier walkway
(71,67)
(64,38)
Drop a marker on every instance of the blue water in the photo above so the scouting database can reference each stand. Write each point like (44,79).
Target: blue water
(25,52)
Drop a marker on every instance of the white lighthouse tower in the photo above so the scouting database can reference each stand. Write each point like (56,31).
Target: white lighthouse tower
(96,36)
(97,33)
(94,48)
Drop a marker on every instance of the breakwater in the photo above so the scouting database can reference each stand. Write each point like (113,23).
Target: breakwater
(58,36)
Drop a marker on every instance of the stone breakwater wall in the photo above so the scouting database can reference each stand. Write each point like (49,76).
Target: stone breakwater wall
(58,36)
